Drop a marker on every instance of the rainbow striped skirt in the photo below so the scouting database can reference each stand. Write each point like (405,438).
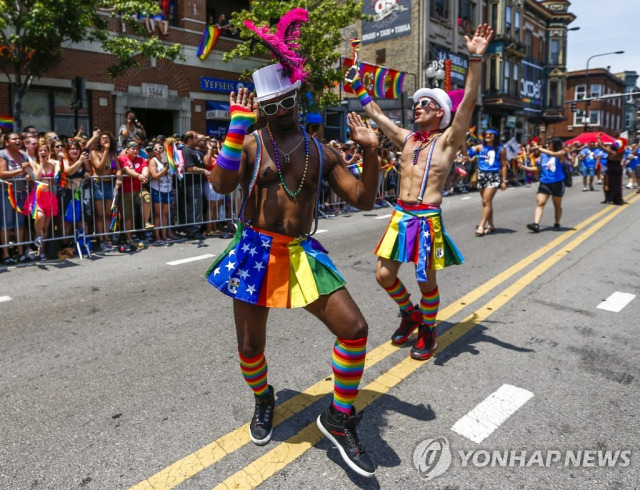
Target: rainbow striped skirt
(416,234)
(268,269)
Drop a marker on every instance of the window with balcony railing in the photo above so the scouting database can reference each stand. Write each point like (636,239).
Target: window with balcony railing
(466,16)
(439,10)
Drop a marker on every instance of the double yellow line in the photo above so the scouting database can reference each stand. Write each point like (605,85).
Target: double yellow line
(288,451)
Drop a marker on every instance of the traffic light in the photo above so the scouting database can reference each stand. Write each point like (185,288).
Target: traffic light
(573,106)
(78,93)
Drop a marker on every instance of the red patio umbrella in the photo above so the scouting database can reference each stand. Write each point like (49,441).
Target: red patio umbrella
(588,137)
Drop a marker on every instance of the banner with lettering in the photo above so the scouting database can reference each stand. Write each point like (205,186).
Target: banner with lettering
(391,19)
(378,81)
(531,75)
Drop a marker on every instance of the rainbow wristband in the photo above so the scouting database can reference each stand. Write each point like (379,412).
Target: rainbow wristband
(362,94)
(231,151)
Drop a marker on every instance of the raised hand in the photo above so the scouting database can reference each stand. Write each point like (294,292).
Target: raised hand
(243,98)
(361,132)
(480,41)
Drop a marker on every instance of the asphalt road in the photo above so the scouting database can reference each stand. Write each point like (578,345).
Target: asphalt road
(122,371)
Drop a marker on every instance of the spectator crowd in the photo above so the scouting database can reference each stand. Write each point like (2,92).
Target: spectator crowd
(98,192)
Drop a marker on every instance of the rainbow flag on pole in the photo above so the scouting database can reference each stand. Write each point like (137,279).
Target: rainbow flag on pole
(209,38)
(37,192)
(6,123)
(12,196)
(174,158)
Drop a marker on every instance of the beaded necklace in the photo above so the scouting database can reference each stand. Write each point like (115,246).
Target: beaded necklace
(417,150)
(306,162)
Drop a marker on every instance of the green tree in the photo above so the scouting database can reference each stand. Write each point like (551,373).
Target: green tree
(320,39)
(32,34)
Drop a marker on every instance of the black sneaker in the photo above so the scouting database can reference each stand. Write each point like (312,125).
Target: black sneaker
(556,227)
(340,429)
(261,426)
(426,344)
(9,261)
(534,227)
(410,321)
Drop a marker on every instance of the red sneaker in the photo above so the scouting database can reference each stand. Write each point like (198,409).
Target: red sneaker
(410,321)
(426,344)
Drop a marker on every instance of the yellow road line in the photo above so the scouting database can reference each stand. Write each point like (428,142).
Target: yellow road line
(286,452)
(192,464)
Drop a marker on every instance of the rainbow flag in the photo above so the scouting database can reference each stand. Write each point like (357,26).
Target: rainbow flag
(209,38)
(34,197)
(6,123)
(395,85)
(12,196)
(174,158)
(378,81)
(355,168)
(115,213)
(61,177)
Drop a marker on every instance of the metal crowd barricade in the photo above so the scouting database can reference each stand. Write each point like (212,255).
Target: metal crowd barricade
(83,219)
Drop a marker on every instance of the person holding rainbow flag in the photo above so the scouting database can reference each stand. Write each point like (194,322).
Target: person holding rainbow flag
(273,262)
(416,232)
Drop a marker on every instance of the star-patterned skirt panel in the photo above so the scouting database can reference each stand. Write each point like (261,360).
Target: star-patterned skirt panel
(415,233)
(269,269)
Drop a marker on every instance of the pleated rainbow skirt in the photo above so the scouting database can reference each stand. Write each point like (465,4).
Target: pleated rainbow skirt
(416,234)
(273,270)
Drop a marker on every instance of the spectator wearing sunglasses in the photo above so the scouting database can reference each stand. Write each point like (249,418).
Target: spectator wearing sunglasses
(161,186)
(267,265)
(416,232)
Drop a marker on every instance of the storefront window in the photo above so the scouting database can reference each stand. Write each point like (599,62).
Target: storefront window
(50,110)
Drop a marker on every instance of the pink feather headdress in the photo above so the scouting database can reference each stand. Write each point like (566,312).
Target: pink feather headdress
(283,43)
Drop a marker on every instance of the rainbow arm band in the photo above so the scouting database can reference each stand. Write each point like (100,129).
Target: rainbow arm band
(360,91)
(231,152)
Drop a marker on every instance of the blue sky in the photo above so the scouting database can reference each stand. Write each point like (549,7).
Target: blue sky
(605,25)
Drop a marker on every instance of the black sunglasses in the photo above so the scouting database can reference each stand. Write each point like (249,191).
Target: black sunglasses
(425,103)
(58,146)
(287,103)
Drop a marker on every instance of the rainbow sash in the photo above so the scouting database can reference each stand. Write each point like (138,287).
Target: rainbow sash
(415,233)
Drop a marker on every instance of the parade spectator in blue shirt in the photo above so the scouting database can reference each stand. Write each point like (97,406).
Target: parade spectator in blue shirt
(602,160)
(587,158)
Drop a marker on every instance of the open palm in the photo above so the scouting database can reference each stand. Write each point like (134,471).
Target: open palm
(480,41)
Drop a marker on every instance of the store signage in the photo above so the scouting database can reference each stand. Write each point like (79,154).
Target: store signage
(217,110)
(531,86)
(222,85)
(391,19)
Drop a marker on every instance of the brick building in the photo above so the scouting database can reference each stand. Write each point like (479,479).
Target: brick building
(605,113)
(168,97)
(526,69)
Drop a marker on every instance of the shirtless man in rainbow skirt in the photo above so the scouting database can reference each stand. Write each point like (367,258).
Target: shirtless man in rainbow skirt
(273,262)
(415,232)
